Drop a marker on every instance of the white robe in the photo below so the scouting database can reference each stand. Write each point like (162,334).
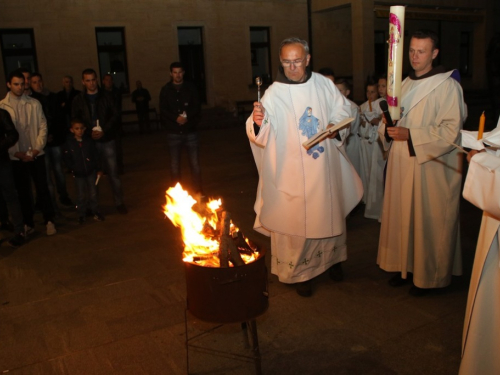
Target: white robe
(420,216)
(369,136)
(481,335)
(303,194)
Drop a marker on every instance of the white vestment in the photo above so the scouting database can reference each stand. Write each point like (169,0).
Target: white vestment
(303,195)
(420,216)
(369,136)
(481,335)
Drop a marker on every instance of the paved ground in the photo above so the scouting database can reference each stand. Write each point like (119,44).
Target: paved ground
(109,298)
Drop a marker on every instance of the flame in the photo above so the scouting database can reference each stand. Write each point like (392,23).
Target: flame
(200,233)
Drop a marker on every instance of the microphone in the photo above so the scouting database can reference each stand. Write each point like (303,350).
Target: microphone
(388,118)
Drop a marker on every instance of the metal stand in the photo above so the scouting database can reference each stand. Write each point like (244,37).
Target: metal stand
(252,342)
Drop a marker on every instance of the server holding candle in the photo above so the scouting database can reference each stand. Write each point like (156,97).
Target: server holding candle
(419,237)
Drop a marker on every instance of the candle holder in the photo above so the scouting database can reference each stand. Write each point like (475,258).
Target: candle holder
(258,82)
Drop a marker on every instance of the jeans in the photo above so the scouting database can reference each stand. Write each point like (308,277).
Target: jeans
(86,185)
(53,162)
(9,194)
(175,143)
(107,153)
(24,172)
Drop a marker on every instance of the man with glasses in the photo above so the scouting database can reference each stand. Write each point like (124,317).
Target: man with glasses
(303,195)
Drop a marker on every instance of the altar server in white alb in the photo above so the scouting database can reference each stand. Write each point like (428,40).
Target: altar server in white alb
(303,195)
(419,235)
(481,336)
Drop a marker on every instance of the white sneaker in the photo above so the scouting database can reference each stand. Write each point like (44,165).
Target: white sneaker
(28,231)
(51,228)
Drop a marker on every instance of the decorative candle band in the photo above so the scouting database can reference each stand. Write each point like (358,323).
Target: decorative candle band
(392,100)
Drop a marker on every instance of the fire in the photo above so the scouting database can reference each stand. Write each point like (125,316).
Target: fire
(201,232)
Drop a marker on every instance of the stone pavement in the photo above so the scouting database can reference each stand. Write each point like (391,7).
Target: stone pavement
(109,297)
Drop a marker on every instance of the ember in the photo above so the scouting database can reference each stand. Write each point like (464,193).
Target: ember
(210,238)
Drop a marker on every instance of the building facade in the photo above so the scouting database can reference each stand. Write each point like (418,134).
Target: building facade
(225,44)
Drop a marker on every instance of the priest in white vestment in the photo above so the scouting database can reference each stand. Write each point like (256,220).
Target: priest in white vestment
(303,195)
(419,235)
(481,335)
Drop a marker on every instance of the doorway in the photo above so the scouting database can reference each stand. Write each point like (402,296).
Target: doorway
(191,55)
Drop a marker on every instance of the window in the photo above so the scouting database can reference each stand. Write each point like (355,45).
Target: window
(260,49)
(18,50)
(112,55)
(465,54)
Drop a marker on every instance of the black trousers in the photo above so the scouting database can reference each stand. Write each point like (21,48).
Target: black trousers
(24,173)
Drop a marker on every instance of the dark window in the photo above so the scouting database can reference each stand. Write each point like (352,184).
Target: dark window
(260,50)
(191,55)
(465,68)
(18,50)
(113,55)
(380,52)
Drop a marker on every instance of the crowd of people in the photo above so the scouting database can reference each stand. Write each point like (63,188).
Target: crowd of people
(43,133)
(47,133)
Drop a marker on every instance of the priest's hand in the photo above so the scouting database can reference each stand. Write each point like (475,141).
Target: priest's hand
(398,133)
(472,153)
(334,134)
(258,113)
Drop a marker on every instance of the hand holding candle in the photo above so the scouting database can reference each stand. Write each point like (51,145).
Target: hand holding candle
(258,82)
(480,132)
(395,60)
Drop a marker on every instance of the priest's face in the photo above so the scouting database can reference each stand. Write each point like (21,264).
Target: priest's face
(422,52)
(294,60)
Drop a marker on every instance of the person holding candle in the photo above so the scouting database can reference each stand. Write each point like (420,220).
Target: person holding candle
(96,108)
(27,155)
(419,236)
(481,334)
(303,198)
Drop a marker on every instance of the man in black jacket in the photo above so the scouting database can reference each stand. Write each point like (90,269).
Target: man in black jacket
(8,192)
(179,112)
(97,109)
(65,98)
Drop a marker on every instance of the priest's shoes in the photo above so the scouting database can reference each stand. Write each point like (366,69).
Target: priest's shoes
(397,280)
(336,273)
(304,289)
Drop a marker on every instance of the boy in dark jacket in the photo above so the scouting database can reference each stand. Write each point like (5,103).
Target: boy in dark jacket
(83,160)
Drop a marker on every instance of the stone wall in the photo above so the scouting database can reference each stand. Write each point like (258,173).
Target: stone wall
(66,41)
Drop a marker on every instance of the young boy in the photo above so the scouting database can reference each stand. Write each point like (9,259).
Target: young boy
(376,157)
(82,159)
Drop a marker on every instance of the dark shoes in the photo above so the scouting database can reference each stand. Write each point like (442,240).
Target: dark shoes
(66,202)
(7,225)
(336,273)
(415,291)
(397,280)
(17,240)
(304,289)
(122,209)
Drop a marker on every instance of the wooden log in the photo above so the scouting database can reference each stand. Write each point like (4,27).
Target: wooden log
(228,251)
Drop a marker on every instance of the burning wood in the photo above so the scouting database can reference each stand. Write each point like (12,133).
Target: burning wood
(210,239)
